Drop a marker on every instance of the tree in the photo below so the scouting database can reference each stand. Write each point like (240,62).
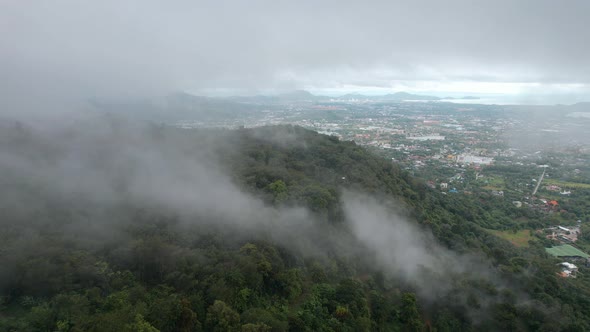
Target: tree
(279,190)
(260,327)
(141,325)
(221,318)
(410,314)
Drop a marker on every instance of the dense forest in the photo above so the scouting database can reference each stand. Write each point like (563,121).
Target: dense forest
(113,226)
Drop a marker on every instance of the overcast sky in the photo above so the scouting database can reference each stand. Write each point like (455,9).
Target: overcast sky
(55,50)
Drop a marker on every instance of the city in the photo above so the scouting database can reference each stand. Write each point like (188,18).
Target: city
(532,161)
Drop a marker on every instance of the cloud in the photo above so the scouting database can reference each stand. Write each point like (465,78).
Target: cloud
(101,164)
(403,249)
(62,50)
(83,179)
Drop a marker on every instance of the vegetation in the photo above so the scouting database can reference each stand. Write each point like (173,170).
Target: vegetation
(155,272)
(567,185)
(519,238)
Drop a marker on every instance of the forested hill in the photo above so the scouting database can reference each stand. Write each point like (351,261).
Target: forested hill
(120,227)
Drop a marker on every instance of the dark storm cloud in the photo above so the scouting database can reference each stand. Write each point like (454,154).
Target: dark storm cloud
(57,49)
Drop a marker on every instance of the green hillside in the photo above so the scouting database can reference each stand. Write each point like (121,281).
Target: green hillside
(161,229)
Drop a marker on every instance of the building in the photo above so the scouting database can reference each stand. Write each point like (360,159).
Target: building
(426,138)
(563,234)
(567,252)
(471,159)
(553,204)
(553,188)
(568,270)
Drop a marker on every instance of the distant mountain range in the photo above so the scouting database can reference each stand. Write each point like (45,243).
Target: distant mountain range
(182,105)
(398,96)
(185,106)
(302,95)
(582,106)
(182,102)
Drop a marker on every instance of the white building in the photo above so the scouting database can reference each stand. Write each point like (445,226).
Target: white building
(426,138)
(471,159)
(568,270)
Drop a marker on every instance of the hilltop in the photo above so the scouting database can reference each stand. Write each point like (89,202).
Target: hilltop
(266,229)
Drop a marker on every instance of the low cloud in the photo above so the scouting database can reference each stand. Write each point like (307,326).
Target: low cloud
(89,171)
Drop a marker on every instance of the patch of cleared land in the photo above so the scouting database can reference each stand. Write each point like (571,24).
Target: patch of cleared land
(519,239)
(564,184)
(493,183)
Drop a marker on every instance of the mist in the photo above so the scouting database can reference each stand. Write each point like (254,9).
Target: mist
(86,181)
(547,128)
(100,166)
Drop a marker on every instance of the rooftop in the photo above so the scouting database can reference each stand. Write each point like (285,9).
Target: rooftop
(566,250)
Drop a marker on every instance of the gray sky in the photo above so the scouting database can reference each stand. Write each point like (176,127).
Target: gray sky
(55,50)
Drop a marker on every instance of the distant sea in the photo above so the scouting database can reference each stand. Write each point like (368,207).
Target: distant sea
(522,100)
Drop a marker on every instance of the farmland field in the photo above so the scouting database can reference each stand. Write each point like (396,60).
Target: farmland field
(519,239)
(566,185)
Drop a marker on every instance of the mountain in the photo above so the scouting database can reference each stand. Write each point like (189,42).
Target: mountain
(350,96)
(291,96)
(175,107)
(297,95)
(117,228)
(464,98)
(186,106)
(408,96)
(398,96)
(306,96)
(580,107)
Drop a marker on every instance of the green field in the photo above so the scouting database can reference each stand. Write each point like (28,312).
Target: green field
(564,184)
(519,239)
(493,183)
